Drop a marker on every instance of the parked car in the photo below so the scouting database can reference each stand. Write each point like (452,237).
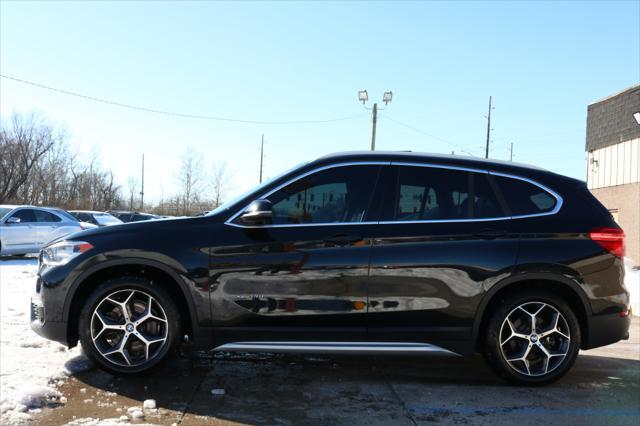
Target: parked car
(97,218)
(25,229)
(129,216)
(355,252)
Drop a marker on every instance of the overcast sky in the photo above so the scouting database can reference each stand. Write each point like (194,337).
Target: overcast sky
(543,63)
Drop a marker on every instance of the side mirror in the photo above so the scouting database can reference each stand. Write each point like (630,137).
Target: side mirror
(12,220)
(259,212)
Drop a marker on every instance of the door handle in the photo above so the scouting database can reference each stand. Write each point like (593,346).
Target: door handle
(342,239)
(490,234)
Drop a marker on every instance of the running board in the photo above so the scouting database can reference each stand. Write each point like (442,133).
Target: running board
(334,347)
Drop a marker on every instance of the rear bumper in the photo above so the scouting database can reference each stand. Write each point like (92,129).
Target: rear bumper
(606,329)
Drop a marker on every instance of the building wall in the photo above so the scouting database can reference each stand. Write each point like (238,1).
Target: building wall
(610,120)
(624,203)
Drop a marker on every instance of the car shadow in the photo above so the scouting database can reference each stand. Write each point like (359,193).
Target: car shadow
(289,389)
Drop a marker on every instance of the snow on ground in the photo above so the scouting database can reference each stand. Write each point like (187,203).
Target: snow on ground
(31,367)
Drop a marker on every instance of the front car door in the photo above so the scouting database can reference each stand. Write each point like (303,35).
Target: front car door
(303,276)
(20,237)
(443,239)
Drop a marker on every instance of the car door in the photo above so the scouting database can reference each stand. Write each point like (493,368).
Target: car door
(303,276)
(46,223)
(442,241)
(20,237)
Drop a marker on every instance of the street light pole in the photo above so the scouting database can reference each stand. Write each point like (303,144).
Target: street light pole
(363,97)
(373,130)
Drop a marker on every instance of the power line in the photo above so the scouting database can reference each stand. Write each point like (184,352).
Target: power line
(176,114)
(427,134)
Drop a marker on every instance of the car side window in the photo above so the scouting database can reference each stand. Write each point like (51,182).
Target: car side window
(43,216)
(429,193)
(25,215)
(525,198)
(335,195)
(485,201)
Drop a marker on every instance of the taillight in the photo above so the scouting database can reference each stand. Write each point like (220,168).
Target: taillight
(611,239)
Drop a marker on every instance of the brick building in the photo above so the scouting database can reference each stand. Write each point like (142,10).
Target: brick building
(613,160)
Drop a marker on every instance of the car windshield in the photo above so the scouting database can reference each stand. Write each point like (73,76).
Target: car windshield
(256,188)
(4,211)
(106,219)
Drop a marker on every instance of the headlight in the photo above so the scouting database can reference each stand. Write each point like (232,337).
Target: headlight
(62,252)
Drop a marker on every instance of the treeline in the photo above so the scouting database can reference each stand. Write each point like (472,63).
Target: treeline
(37,166)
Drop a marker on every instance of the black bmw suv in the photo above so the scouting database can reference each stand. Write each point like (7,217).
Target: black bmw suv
(415,252)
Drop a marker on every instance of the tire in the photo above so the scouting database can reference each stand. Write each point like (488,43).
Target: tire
(116,342)
(517,354)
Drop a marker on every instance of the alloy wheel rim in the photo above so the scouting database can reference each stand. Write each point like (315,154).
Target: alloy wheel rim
(534,338)
(129,327)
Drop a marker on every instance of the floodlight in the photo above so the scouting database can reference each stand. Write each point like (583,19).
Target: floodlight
(386,98)
(363,96)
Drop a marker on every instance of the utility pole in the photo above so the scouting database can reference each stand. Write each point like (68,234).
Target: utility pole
(142,186)
(511,152)
(373,130)
(261,157)
(486,151)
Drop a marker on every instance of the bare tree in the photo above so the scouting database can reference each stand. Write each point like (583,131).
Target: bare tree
(22,144)
(189,179)
(132,183)
(37,167)
(220,182)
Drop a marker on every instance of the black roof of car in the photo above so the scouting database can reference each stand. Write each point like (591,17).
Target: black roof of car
(407,156)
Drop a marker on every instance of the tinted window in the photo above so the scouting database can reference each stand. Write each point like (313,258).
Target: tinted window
(25,215)
(43,216)
(340,194)
(425,193)
(523,197)
(485,204)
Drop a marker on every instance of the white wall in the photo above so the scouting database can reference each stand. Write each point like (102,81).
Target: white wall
(614,165)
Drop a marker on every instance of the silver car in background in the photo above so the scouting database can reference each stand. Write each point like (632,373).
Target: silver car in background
(97,218)
(25,229)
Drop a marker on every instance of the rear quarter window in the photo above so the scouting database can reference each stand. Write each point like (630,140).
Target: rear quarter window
(525,198)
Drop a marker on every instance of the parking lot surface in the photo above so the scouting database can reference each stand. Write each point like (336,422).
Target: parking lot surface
(199,388)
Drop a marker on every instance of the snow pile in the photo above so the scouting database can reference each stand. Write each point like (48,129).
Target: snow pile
(632,282)
(30,366)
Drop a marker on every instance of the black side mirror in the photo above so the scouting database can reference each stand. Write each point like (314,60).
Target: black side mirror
(259,212)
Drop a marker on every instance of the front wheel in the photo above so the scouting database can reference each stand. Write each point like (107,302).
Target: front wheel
(128,325)
(532,338)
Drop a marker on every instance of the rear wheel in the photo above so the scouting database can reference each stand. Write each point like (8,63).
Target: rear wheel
(532,338)
(128,325)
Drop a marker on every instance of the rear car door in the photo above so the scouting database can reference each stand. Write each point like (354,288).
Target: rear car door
(20,237)
(443,239)
(46,223)
(304,276)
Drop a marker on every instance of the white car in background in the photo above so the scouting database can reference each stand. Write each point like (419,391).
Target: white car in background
(25,229)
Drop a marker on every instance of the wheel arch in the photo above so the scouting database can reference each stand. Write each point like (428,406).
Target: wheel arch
(564,287)
(169,279)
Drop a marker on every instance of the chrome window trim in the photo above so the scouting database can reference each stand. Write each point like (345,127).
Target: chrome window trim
(555,195)
(296,178)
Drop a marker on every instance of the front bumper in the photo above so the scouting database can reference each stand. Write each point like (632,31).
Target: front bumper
(51,330)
